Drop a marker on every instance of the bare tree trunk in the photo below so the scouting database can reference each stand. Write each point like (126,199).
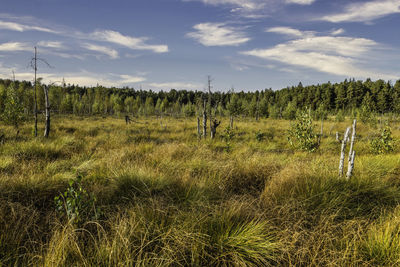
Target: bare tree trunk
(34,94)
(352,153)
(204,120)
(47,114)
(214,126)
(198,128)
(353,138)
(342,156)
(210,105)
(351,165)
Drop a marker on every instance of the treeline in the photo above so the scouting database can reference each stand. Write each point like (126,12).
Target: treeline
(349,96)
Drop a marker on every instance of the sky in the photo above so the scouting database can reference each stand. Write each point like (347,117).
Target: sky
(162,44)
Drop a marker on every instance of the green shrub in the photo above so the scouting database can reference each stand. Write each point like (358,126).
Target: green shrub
(301,133)
(228,136)
(76,203)
(384,143)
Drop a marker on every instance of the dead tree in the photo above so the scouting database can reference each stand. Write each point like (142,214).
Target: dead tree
(210,104)
(33,65)
(204,120)
(214,126)
(198,128)
(47,111)
(352,153)
(128,120)
(34,93)
(351,165)
(342,154)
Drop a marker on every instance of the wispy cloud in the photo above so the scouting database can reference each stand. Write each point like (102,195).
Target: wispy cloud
(13,26)
(290,32)
(174,85)
(129,79)
(51,44)
(109,36)
(15,46)
(338,32)
(112,53)
(334,55)
(81,77)
(300,2)
(218,34)
(134,43)
(254,8)
(365,11)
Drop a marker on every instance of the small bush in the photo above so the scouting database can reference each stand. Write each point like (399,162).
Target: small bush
(384,143)
(76,203)
(301,134)
(228,136)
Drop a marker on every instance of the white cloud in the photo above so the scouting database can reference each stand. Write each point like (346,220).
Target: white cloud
(13,26)
(290,31)
(365,11)
(338,32)
(15,46)
(335,55)
(174,85)
(300,2)
(112,53)
(218,34)
(254,8)
(128,79)
(51,44)
(128,41)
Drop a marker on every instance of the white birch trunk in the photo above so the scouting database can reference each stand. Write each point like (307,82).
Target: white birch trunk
(342,154)
(353,138)
(351,165)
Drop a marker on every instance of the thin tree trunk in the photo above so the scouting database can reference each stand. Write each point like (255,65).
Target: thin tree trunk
(210,106)
(352,153)
(34,93)
(204,120)
(198,128)
(231,122)
(342,154)
(353,138)
(351,165)
(47,104)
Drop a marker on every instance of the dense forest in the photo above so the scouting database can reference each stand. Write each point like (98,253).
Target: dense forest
(347,97)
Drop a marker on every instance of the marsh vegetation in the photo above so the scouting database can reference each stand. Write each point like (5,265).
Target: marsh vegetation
(101,192)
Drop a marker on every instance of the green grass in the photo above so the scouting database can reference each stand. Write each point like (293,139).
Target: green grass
(168,199)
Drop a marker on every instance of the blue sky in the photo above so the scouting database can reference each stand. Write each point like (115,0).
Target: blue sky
(163,44)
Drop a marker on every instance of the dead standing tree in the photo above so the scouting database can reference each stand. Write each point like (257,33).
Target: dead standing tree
(210,105)
(352,153)
(47,111)
(214,126)
(204,119)
(33,65)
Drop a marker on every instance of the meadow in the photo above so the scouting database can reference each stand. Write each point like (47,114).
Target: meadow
(99,192)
